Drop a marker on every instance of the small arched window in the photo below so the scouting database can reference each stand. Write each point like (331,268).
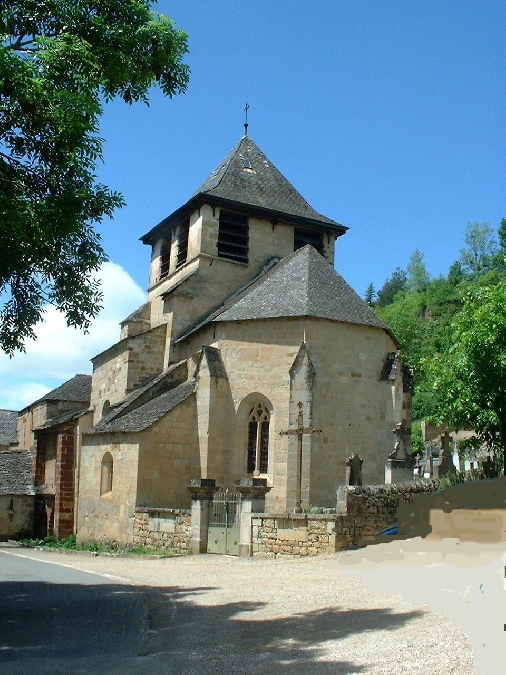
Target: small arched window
(106,474)
(258,440)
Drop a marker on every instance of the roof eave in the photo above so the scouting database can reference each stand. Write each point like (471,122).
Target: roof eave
(253,210)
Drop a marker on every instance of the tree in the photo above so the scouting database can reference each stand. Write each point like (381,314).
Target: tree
(417,275)
(470,380)
(369,294)
(59,61)
(392,286)
(481,250)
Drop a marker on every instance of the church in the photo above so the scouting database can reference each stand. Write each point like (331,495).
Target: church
(247,335)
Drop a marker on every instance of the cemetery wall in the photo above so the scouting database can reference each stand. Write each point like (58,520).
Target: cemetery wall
(362,512)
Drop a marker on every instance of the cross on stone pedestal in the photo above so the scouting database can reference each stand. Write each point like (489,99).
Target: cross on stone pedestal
(299,431)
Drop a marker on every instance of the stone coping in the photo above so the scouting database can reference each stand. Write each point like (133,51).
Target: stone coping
(150,509)
(296,516)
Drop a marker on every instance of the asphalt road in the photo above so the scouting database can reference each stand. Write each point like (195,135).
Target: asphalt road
(220,615)
(54,619)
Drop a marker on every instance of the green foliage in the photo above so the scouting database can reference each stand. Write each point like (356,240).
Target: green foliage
(392,286)
(481,250)
(69,544)
(58,61)
(370,295)
(470,379)
(417,275)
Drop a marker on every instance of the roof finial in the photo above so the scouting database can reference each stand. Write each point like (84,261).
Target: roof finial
(246,122)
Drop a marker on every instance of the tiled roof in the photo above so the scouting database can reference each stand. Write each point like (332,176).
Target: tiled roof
(77,389)
(246,179)
(147,414)
(8,426)
(302,284)
(16,472)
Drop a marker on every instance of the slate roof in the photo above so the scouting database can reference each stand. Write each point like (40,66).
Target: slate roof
(147,414)
(302,284)
(8,426)
(246,178)
(67,416)
(77,389)
(16,472)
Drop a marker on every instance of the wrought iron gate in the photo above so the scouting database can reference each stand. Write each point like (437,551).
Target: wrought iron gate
(224,520)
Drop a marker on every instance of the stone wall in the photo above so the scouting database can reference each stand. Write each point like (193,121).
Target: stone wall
(16,516)
(300,534)
(362,512)
(162,529)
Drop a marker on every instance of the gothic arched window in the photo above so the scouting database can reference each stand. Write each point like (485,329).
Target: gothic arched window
(258,440)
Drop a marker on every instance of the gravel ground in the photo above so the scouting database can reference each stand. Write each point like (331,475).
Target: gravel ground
(211,615)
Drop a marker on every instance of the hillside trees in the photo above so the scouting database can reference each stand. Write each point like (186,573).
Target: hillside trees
(469,380)
(60,60)
(423,316)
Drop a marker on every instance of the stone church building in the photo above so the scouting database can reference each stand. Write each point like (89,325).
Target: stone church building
(247,331)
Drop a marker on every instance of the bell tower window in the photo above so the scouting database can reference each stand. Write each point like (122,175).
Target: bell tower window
(181,243)
(164,260)
(233,237)
(303,237)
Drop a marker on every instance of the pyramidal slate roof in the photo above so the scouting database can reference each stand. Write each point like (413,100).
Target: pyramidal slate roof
(302,284)
(247,178)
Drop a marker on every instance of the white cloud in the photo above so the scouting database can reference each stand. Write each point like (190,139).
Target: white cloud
(60,352)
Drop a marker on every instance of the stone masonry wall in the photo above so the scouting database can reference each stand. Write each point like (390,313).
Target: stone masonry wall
(162,529)
(362,512)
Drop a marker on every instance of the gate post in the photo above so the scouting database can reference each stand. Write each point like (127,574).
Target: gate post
(253,491)
(202,492)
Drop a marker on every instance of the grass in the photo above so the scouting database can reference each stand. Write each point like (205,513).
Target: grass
(69,544)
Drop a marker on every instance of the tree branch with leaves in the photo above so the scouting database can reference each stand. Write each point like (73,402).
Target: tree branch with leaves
(59,61)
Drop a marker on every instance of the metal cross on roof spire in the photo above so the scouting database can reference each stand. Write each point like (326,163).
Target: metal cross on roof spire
(246,122)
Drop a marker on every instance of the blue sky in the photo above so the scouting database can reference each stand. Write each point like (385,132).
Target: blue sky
(388,117)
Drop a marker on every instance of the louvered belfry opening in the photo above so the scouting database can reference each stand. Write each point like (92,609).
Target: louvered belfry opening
(164,260)
(233,237)
(303,237)
(182,243)
(258,440)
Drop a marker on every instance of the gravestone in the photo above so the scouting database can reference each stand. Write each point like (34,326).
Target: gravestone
(354,470)
(444,462)
(399,466)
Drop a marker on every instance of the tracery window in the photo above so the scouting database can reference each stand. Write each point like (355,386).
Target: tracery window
(106,474)
(258,440)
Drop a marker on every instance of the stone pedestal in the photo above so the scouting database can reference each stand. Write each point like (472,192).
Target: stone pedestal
(398,471)
(202,492)
(253,491)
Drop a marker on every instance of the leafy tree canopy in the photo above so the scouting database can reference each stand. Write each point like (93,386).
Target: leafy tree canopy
(470,379)
(480,253)
(59,61)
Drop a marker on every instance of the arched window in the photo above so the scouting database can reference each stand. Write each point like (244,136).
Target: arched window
(106,474)
(258,440)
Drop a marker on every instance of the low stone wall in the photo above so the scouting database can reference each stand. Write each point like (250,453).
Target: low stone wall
(162,529)
(361,513)
(297,534)
(368,509)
